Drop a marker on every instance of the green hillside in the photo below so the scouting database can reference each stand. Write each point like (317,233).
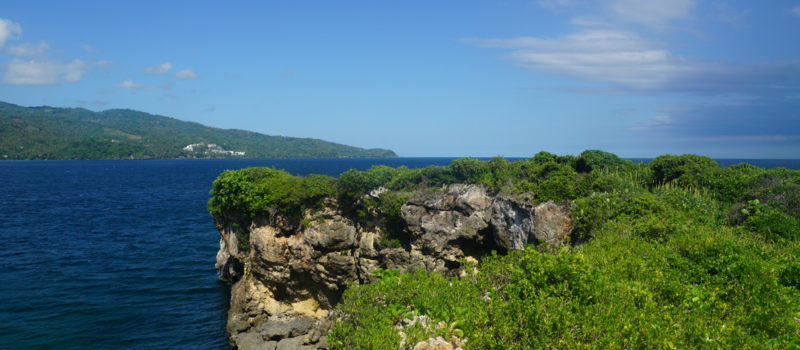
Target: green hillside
(77,133)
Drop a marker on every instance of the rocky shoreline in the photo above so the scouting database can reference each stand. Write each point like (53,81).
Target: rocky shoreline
(289,276)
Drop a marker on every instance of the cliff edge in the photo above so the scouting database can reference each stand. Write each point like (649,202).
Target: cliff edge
(287,272)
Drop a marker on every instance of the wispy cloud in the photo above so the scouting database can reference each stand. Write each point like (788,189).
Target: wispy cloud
(9,30)
(658,122)
(632,62)
(159,69)
(89,48)
(36,72)
(186,74)
(131,85)
(795,10)
(598,54)
(28,49)
(128,84)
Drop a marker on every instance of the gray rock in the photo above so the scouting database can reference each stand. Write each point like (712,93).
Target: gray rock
(323,343)
(330,236)
(290,343)
(366,246)
(512,223)
(552,223)
(253,341)
(277,328)
(395,258)
(341,268)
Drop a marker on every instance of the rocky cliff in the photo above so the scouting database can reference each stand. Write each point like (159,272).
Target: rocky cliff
(287,275)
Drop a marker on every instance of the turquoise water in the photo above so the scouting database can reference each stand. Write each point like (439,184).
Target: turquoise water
(120,254)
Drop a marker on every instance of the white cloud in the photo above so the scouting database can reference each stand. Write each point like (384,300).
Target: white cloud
(186,74)
(128,84)
(35,72)
(28,49)
(89,48)
(795,10)
(131,85)
(159,69)
(9,30)
(599,54)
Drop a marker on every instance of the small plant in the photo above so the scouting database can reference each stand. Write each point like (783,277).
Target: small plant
(242,237)
(247,271)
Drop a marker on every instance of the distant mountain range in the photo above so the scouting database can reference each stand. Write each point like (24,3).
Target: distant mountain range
(78,133)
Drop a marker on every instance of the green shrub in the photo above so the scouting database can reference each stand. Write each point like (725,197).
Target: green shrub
(252,192)
(595,160)
(389,204)
(700,288)
(770,222)
(790,276)
(470,170)
(686,170)
(735,182)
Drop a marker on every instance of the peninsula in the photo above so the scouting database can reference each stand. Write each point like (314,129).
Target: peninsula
(77,133)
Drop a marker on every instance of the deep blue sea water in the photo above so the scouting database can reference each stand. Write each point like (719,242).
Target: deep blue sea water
(120,254)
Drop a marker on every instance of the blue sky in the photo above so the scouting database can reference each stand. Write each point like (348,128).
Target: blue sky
(430,78)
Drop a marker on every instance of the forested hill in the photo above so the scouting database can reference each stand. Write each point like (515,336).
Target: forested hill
(77,133)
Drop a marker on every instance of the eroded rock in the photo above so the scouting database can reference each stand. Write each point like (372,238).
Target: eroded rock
(284,285)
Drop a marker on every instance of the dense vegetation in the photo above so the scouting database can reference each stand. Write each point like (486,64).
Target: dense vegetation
(676,253)
(76,133)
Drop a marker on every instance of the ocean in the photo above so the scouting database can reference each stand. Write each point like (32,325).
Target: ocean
(120,254)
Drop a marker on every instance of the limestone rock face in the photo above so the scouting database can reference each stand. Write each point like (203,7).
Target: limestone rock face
(291,275)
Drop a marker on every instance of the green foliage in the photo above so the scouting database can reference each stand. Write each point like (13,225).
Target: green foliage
(703,286)
(780,188)
(389,204)
(659,265)
(470,170)
(790,277)
(734,181)
(686,170)
(770,222)
(242,232)
(353,183)
(595,159)
(77,133)
(252,192)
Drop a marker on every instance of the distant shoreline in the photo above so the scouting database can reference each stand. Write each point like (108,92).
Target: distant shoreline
(766,163)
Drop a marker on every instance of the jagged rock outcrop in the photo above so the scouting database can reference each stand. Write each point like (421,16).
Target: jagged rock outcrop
(290,276)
